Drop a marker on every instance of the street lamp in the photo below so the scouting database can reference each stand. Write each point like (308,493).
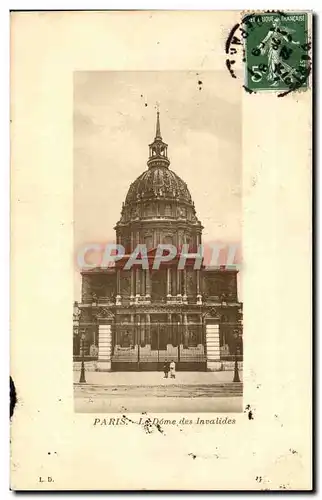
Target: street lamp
(236,373)
(82,379)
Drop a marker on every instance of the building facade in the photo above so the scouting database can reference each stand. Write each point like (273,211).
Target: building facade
(135,319)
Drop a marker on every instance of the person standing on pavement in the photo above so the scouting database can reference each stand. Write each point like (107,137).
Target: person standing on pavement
(172,369)
(166,368)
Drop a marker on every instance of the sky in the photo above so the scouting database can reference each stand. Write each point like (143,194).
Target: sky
(114,121)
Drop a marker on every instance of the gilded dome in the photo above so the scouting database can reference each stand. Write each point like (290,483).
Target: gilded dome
(158,182)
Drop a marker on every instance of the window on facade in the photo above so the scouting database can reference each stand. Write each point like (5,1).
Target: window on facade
(195,335)
(149,209)
(168,210)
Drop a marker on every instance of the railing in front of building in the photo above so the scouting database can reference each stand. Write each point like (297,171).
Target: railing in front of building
(158,334)
(159,341)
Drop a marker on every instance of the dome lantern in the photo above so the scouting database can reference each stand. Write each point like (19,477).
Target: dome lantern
(158,150)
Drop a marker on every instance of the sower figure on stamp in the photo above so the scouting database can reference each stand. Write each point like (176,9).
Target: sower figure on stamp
(277,51)
(172,369)
(166,368)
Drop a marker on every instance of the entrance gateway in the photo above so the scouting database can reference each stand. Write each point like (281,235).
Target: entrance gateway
(147,345)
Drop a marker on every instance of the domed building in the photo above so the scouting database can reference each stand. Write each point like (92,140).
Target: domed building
(158,207)
(136,317)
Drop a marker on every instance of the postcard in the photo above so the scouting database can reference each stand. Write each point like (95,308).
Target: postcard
(161,250)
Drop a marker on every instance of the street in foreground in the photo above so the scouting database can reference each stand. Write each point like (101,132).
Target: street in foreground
(158,395)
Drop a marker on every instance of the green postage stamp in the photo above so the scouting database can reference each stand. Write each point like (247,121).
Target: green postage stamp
(277,51)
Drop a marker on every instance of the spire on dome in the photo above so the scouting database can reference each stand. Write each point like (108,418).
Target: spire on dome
(158,131)
(158,150)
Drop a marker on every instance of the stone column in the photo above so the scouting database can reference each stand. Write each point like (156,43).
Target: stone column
(178,283)
(199,298)
(168,282)
(137,285)
(143,282)
(118,287)
(184,275)
(104,347)
(147,285)
(185,331)
(213,346)
(132,287)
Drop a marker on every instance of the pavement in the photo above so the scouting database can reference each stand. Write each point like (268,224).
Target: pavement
(137,392)
(155,378)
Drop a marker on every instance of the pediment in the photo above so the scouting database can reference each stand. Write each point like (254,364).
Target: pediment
(213,313)
(104,313)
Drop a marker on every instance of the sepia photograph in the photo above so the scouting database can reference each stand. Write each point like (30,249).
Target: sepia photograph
(157,316)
